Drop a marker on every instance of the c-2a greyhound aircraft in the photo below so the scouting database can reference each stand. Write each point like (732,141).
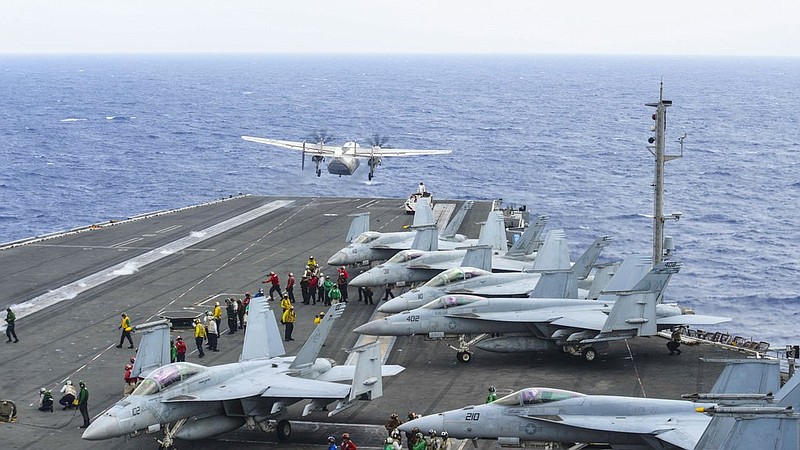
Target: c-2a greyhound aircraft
(344,160)
(193,402)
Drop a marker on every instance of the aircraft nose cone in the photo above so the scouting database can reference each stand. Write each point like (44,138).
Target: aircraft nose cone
(434,421)
(374,328)
(364,280)
(338,259)
(395,305)
(104,427)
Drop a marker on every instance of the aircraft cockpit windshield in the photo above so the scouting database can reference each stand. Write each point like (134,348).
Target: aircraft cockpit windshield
(405,256)
(536,396)
(453,275)
(449,301)
(165,376)
(366,237)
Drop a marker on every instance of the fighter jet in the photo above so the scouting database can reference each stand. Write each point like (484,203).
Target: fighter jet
(471,280)
(578,327)
(378,246)
(412,266)
(192,402)
(553,415)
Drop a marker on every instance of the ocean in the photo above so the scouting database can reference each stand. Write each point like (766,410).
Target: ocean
(92,138)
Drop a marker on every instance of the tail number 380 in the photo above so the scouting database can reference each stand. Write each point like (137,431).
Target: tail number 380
(473,416)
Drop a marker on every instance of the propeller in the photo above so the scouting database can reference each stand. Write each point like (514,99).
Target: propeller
(377,140)
(319,138)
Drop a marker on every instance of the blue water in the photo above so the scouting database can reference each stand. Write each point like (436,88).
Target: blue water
(85,139)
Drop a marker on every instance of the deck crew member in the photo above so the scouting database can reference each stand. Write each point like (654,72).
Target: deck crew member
(125,326)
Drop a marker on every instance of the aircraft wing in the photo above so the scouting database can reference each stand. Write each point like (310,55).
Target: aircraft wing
(516,287)
(346,372)
(682,431)
(379,151)
(293,145)
(277,385)
(692,319)
(586,319)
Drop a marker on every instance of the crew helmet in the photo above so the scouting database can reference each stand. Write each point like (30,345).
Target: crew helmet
(432,432)
(69,382)
(42,390)
(389,440)
(346,436)
(445,435)
(291,274)
(331,439)
(492,389)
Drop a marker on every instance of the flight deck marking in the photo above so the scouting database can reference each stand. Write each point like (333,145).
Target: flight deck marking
(131,266)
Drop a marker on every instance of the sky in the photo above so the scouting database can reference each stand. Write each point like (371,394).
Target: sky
(625,27)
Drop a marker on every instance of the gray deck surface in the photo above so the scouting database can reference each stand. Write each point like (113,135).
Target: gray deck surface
(76,338)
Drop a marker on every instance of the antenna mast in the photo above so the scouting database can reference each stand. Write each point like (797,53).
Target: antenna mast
(657,148)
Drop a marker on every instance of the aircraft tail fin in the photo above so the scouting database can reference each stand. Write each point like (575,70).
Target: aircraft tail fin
(479,256)
(358,225)
(554,253)
(529,242)
(789,394)
(748,376)
(262,338)
(423,212)
(602,276)
(426,239)
(153,351)
(636,309)
(494,232)
(632,269)
(556,284)
(584,264)
(563,282)
(310,350)
(455,223)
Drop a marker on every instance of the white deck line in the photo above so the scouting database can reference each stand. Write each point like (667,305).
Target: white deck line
(131,266)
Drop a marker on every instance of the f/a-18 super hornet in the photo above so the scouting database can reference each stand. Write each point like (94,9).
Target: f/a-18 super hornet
(743,393)
(192,402)
(413,265)
(578,327)
(368,246)
(344,159)
(476,281)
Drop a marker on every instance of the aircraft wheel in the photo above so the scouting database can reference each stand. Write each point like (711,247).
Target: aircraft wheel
(464,357)
(284,430)
(589,354)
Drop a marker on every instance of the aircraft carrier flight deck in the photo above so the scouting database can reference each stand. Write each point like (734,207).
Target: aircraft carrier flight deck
(70,289)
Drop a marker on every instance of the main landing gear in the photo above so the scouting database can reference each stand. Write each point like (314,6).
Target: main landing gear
(373,162)
(317,159)
(463,355)
(168,443)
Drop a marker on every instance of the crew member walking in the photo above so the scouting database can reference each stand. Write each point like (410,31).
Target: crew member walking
(125,326)
(10,319)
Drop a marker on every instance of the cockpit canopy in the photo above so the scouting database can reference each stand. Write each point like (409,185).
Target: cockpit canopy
(455,274)
(450,301)
(404,256)
(165,376)
(366,237)
(536,396)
